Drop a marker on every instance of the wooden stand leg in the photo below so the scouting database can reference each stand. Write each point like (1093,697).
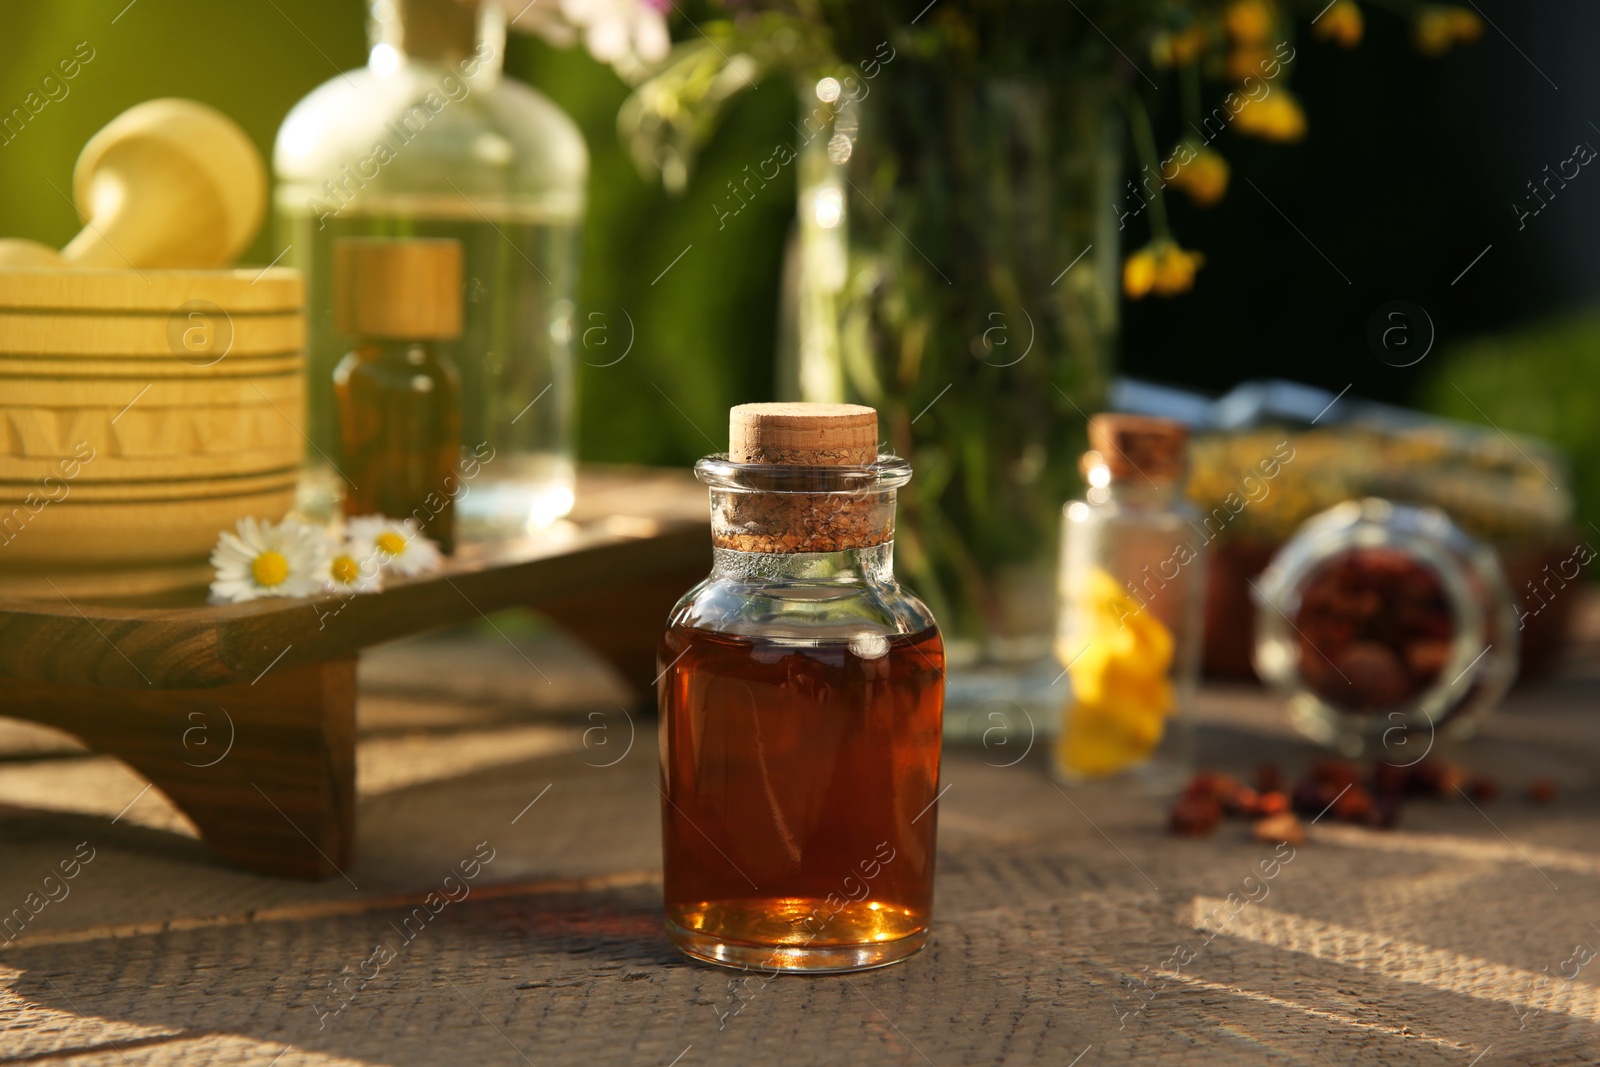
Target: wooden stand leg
(625,625)
(266,770)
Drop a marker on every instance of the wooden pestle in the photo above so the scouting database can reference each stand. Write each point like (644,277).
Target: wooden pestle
(168,183)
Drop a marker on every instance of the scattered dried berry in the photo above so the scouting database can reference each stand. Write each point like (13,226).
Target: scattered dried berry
(1312,797)
(1542,790)
(1483,789)
(1353,805)
(1389,780)
(1269,778)
(1436,778)
(1275,829)
(1195,816)
(1383,814)
(1241,801)
(1271,803)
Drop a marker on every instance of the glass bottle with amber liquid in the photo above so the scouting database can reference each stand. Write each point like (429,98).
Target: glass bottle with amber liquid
(801,698)
(1132,580)
(399,395)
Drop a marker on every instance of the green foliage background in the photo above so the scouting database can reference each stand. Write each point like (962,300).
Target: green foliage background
(705,331)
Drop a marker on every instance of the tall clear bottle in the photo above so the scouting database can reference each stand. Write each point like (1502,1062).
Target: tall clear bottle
(429,140)
(1132,580)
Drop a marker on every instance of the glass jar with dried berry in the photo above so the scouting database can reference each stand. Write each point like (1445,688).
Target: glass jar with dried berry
(801,699)
(1385,626)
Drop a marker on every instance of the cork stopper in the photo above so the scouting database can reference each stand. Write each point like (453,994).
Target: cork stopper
(800,505)
(403,289)
(803,435)
(1138,446)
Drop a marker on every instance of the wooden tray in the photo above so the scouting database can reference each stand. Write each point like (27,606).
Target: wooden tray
(125,677)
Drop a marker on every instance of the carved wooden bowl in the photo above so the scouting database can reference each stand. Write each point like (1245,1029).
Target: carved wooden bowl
(140,414)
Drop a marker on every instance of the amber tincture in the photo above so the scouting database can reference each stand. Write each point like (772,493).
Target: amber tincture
(399,395)
(801,700)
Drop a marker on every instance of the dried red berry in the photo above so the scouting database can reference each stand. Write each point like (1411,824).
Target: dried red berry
(1483,789)
(1312,797)
(1272,803)
(1542,790)
(1195,816)
(1389,780)
(1353,805)
(1383,814)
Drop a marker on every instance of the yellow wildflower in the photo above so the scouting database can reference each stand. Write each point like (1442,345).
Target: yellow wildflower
(1161,268)
(1139,274)
(1275,117)
(1175,269)
(1186,46)
(1247,62)
(1204,177)
(1437,28)
(1466,25)
(1342,23)
(1121,690)
(1248,21)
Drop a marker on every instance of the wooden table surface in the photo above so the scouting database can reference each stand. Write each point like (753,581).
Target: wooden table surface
(1437,943)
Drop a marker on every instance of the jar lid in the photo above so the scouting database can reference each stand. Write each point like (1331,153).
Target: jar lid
(1143,446)
(397,288)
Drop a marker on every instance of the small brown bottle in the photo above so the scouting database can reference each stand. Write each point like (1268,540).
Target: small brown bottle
(399,395)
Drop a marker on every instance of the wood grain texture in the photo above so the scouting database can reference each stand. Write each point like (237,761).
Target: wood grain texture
(264,769)
(166,332)
(242,291)
(198,646)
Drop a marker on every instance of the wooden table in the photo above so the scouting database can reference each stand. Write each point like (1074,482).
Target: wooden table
(273,682)
(1422,945)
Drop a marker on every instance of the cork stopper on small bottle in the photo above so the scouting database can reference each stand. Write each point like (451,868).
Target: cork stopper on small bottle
(405,289)
(803,435)
(800,505)
(1138,447)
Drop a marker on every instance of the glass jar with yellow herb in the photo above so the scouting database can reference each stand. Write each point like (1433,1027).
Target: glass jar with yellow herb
(1128,632)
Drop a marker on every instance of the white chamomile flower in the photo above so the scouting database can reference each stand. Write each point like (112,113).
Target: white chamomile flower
(352,567)
(264,559)
(400,545)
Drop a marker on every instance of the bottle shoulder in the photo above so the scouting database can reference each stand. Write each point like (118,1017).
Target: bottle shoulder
(424,126)
(820,611)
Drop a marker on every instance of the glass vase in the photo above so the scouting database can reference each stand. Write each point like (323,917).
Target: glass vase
(956,266)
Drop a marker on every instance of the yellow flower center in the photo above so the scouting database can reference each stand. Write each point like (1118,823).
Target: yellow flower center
(392,543)
(269,569)
(345,570)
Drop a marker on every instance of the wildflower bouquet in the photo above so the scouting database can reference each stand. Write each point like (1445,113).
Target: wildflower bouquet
(963,210)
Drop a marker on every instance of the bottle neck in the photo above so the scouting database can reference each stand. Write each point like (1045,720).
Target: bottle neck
(394,351)
(447,33)
(851,566)
(1138,494)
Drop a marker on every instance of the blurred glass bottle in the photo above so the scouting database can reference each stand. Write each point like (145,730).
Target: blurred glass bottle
(1131,584)
(428,140)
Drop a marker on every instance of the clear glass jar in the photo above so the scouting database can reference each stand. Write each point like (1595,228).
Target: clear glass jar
(428,140)
(1385,626)
(1131,585)
(801,699)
